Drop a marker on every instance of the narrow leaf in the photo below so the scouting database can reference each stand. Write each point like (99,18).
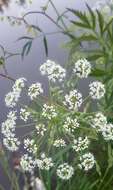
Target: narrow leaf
(45,45)
(26,49)
(93,19)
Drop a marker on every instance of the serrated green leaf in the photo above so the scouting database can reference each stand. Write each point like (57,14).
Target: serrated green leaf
(81,16)
(82,25)
(107,25)
(100,21)
(89,37)
(93,18)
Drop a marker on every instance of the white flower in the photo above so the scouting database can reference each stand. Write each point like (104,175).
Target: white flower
(87,161)
(53,71)
(9,125)
(65,171)
(19,84)
(70,125)
(27,163)
(44,163)
(98,121)
(97,90)
(41,129)
(82,68)
(80,144)
(107,132)
(49,111)
(59,143)
(30,146)
(35,90)
(11,99)
(24,114)
(11,142)
(73,100)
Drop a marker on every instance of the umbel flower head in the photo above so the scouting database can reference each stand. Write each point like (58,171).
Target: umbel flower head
(87,161)
(49,111)
(70,125)
(97,90)
(80,144)
(98,121)
(35,90)
(45,163)
(107,132)
(65,171)
(73,100)
(54,71)
(82,68)
(12,97)
(27,163)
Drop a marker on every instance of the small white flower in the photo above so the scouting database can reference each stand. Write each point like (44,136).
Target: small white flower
(97,90)
(59,143)
(35,90)
(65,171)
(19,84)
(30,146)
(49,111)
(24,114)
(9,125)
(70,125)
(12,98)
(44,163)
(107,132)
(11,142)
(98,121)
(53,71)
(73,100)
(87,161)
(41,129)
(27,163)
(80,144)
(82,68)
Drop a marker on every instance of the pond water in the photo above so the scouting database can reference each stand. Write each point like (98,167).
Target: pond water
(28,68)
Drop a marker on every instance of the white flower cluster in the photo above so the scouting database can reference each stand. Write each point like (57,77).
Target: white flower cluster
(30,146)
(82,68)
(73,100)
(87,161)
(80,144)
(107,132)
(41,129)
(53,71)
(59,143)
(70,124)
(97,90)
(98,121)
(65,171)
(12,97)
(49,111)
(24,114)
(10,141)
(35,90)
(27,163)
(44,163)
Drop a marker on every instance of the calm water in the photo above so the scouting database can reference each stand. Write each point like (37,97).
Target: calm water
(29,67)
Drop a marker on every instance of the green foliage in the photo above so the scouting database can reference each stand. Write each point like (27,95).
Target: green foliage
(26,49)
